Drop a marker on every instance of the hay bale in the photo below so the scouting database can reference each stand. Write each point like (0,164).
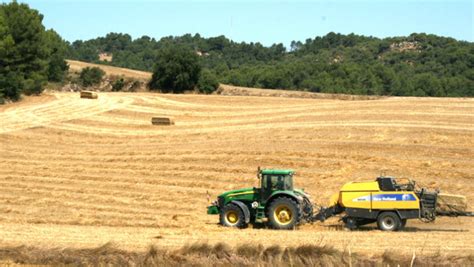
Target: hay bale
(162,121)
(451,203)
(89,94)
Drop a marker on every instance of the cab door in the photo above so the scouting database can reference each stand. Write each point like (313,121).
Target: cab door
(270,184)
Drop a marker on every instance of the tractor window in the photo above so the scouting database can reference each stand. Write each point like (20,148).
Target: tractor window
(289,182)
(282,182)
(264,182)
(277,182)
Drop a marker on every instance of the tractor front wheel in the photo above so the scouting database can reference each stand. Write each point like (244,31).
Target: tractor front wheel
(232,216)
(283,213)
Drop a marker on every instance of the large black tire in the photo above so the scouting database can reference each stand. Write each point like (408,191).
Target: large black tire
(283,213)
(389,221)
(232,216)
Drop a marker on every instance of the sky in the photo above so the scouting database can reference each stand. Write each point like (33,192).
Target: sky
(261,21)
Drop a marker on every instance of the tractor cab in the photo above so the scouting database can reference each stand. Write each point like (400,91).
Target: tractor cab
(276,179)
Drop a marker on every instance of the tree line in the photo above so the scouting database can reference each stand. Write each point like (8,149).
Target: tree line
(416,65)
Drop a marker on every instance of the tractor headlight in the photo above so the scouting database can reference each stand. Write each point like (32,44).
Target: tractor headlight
(254,204)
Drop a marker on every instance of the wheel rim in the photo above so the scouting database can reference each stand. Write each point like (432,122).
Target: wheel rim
(231,217)
(388,223)
(283,215)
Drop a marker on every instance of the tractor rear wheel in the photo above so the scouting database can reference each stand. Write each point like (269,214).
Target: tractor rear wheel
(283,213)
(389,221)
(232,216)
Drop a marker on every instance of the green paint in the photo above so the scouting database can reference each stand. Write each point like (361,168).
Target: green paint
(273,184)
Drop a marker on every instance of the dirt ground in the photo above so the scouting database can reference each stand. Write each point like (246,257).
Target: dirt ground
(80,172)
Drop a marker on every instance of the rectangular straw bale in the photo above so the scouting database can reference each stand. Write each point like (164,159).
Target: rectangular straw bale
(450,203)
(162,121)
(89,94)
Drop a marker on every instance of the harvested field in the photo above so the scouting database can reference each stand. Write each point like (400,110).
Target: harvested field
(77,66)
(232,90)
(78,173)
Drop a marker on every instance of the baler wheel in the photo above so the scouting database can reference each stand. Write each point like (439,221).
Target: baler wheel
(389,221)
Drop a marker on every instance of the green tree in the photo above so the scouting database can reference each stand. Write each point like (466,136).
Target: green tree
(57,66)
(91,76)
(427,84)
(208,82)
(118,85)
(23,49)
(335,63)
(8,88)
(177,69)
(29,55)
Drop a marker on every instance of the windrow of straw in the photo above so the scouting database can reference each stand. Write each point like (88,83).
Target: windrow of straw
(203,254)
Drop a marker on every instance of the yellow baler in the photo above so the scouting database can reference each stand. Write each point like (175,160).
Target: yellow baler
(387,201)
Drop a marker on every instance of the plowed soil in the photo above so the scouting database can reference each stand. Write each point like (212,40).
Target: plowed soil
(80,172)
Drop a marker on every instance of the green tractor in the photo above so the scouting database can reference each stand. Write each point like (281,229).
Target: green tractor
(275,202)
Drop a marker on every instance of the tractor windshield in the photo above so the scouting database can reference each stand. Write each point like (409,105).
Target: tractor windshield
(278,182)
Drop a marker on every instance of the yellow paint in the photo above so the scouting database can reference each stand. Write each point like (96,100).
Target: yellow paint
(334,199)
(415,204)
(241,193)
(361,195)
(361,186)
(232,217)
(283,215)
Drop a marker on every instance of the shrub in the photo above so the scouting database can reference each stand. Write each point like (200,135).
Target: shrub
(135,85)
(208,82)
(118,85)
(91,76)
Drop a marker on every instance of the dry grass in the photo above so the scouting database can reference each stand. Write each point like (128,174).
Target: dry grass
(231,90)
(78,173)
(77,66)
(203,254)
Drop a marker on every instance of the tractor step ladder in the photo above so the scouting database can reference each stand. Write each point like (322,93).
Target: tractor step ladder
(260,216)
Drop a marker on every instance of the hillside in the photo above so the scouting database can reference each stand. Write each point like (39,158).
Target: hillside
(111,72)
(416,65)
(77,66)
(79,173)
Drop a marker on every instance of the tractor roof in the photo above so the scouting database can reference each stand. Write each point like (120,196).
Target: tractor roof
(277,172)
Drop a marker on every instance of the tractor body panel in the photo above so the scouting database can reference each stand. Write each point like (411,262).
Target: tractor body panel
(380,200)
(212,210)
